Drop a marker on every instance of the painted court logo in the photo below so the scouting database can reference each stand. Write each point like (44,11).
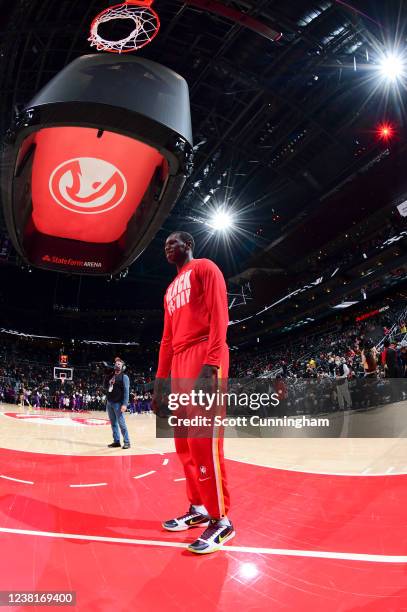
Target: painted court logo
(87,185)
(70,421)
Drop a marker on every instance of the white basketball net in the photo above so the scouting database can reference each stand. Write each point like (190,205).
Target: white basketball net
(146,24)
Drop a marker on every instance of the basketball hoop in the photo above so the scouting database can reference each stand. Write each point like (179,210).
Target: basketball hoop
(146,26)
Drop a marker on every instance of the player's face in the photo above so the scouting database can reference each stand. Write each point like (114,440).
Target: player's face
(175,249)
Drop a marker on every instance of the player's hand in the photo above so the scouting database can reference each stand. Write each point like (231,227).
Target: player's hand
(207,380)
(159,397)
(208,371)
(123,408)
(155,404)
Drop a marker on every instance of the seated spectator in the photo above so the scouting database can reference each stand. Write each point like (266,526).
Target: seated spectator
(369,360)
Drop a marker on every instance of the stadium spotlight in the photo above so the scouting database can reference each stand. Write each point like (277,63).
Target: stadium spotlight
(385,131)
(221,220)
(392,67)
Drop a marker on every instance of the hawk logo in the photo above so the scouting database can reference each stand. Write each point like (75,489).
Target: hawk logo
(203,472)
(87,185)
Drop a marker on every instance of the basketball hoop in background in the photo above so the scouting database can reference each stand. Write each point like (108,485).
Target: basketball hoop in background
(63,374)
(146,25)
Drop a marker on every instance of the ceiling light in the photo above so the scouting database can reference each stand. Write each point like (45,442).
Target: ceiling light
(392,67)
(221,220)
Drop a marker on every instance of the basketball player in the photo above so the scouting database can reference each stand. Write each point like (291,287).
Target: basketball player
(193,346)
(117,402)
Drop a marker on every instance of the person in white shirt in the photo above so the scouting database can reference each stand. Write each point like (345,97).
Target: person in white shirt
(342,386)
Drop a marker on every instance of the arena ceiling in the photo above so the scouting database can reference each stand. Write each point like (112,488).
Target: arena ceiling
(279,125)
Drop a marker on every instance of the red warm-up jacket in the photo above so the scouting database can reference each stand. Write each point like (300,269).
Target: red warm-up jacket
(195,310)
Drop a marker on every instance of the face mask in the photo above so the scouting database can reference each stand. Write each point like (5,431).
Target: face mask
(118,366)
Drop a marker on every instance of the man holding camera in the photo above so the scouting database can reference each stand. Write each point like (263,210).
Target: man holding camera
(117,402)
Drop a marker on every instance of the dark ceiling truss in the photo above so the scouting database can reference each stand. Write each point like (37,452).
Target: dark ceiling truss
(34,33)
(258,111)
(30,27)
(228,42)
(86,20)
(218,126)
(278,64)
(268,134)
(269,93)
(301,118)
(254,155)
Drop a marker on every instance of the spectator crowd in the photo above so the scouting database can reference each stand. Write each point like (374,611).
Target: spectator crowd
(28,384)
(310,373)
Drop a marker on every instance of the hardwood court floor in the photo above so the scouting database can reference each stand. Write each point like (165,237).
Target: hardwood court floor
(68,433)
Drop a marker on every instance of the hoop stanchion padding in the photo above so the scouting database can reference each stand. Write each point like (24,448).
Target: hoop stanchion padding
(92,167)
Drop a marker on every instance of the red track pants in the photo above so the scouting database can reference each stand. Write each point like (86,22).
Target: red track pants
(202,458)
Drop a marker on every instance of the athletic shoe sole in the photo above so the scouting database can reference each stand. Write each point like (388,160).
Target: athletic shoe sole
(216,548)
(185,527)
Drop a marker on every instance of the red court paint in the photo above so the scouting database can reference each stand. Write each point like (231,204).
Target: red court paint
(271,509)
